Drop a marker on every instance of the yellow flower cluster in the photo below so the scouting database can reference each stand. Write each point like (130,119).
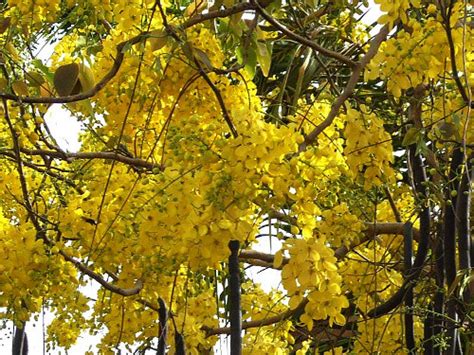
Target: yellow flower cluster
(33,13)
(395,10)
(420,54)
(169,225)
(28,271)
(312,271)
(258,305)
(369,157)
(339,226)
(197,312)
(66,327)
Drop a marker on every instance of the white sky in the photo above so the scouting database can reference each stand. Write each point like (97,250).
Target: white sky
(66,129)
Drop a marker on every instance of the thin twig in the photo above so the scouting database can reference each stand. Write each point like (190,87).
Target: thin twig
(348,90)
(300,39)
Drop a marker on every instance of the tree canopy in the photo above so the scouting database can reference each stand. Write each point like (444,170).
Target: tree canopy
(210,126)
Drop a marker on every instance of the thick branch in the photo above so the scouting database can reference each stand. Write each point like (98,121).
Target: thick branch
(450,217)
(262,322)
(408,255)
(218,13)
(115,289)
(234,299)
(20,340)
(163,328)
(136,162)
(266,260)
(463,209)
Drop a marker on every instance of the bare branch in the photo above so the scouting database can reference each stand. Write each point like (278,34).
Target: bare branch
(262,322)
(244,6)
(93,275)
(136,162)
(257,258)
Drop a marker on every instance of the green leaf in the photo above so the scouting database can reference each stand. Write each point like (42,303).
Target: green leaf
(421,147)
(126,48)
(251,62)
(38,64)
(86,77)
(264,57)
(34,79)
(235,25)
(248,57)
(156,66)
(202,57)
(158,39)
(411,137)
(456,119)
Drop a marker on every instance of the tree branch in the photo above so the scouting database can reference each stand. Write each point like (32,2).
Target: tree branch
(120,54)
(452,54)
(67,156)
(241,7)
(300,39)
(423,245)
(115,289)
(44,171)
(235,311)
(266,260)
(219,98)
(348,90)
(119,57)
(261,322)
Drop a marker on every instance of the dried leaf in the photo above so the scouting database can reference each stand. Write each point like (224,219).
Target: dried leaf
(20,88)
(3,84)
(45,90)
(66,79)
(4,24)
